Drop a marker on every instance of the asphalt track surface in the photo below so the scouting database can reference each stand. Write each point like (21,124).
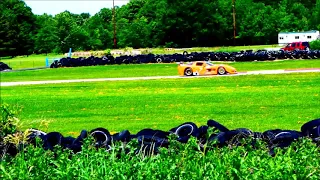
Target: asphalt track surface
(281,71)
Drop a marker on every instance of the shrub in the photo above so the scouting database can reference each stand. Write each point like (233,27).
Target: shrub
(315,44)
(8,121)
(128,49)
(170,45)
(8,126)
(107,52)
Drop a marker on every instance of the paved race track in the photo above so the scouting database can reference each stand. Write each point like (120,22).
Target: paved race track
(282,71)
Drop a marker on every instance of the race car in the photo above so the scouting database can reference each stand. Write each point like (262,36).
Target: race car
(200,68)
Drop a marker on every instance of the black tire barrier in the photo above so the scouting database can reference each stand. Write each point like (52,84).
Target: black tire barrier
(4,67)
(215,124)
(242,56)
(150,140)
(311,128)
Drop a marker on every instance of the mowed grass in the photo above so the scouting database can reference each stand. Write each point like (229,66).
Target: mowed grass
(258,102)
(140,70)
(133,70)
(32,61)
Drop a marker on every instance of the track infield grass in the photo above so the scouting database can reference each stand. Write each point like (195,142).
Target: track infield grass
(32,61)
(140,70)
(258,102)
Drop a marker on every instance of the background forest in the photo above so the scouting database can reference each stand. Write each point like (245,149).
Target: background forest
(154,23)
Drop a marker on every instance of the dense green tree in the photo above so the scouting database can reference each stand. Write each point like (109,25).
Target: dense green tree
(99,35)
(8,40)
(103,19)
(18,25)
(154,11)
(70,33)
(154,23)
(315,16)
(135,34)
(46,38)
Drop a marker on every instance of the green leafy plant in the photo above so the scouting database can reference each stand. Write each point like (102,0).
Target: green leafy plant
(107,52)
(8,122)
(128,49)
(179,161)
(315,44)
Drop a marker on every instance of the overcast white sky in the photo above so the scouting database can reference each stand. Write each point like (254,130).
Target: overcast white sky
(54,7)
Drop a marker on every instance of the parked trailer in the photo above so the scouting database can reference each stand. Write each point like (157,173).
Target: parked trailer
(304,36)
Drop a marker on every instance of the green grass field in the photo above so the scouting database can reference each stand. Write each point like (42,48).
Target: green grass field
(140,70)
(32,61)
(258,102)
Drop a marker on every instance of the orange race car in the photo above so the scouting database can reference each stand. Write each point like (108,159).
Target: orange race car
(204,68)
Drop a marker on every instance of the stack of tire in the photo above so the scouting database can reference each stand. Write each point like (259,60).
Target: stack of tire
(4,67)
(213,134)
(248,55)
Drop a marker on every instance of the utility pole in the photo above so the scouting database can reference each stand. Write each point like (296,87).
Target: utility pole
(114,28)
(234,22)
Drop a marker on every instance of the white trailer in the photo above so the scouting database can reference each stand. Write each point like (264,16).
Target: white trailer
(304,36)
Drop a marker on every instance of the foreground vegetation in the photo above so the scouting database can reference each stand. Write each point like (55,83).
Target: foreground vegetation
(178,161)
(141,70)
(258,102)
(299,161)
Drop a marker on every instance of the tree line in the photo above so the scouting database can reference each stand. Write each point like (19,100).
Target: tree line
(154,23)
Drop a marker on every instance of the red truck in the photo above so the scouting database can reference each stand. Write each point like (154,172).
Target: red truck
(296,46)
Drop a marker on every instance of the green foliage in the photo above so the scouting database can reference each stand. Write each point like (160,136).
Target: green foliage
(315,44)
(299,161)
(9,121)
(45,39)
(107,52)
(17,25)
(8,126)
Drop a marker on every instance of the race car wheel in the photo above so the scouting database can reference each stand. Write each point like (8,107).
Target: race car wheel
(221,71)
(188,72)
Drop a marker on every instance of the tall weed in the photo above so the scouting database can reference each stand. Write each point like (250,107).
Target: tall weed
(299,161)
